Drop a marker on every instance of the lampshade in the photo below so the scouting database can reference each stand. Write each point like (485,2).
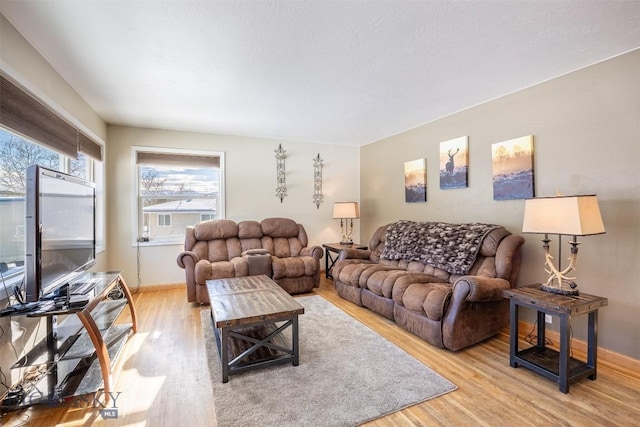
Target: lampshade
(346,210)
(568,215)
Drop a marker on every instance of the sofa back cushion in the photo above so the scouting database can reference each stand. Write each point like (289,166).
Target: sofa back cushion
(215,229)
(216,240)
(224,249)
(250,235)
(376,244)
(492,240)
(485,264)
(283,237)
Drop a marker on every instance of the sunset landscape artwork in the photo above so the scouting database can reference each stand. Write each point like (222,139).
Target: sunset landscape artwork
(512,163)
(454,163)
(415,181)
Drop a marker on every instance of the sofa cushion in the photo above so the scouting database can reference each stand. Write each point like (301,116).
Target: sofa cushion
(250,235)
(293,267)
(249,230)
(492,240)
(282,247)
(224,249)
(484,266)
(381,282)
(283,237)
(215,229)
(428,298)
(279,227)
(358,274)
(205,270)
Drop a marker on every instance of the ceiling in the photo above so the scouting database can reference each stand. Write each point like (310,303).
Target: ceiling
(341,72)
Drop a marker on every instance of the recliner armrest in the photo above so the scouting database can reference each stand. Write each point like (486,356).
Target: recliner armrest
(187,254)
(352,253)
(480,289)
(314,251)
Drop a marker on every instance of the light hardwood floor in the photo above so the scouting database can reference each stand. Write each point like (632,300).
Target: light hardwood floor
(163,380)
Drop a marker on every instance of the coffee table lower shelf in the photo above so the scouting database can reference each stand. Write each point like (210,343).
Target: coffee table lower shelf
(256,346)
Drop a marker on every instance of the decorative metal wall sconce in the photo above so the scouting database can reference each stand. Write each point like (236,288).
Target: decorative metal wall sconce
(317,181)
(281,188)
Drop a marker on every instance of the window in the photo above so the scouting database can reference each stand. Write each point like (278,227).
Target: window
(206,217)
(164,220)
(175,188)
(16,154)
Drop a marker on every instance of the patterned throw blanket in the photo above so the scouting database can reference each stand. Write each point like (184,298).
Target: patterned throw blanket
(450,247)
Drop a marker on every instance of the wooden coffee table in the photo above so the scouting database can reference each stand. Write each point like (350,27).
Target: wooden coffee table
(249,316)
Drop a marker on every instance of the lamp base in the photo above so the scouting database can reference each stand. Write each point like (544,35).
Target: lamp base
(347,242)
(560,291)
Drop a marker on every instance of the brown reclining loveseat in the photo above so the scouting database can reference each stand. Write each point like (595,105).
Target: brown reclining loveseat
(442,282)
(222,248)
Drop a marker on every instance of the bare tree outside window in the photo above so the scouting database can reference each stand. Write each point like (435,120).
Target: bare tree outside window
(151,181)
(16,155)
(78,167)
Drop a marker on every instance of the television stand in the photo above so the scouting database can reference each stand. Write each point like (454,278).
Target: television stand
(78,353)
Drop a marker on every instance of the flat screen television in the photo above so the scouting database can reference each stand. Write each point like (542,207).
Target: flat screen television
(59,231)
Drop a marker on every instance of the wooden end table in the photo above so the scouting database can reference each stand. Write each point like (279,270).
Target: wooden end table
(335,248)
(555,365)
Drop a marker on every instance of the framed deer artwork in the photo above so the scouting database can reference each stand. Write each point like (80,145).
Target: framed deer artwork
(512,164)
(415,181)
(454,163)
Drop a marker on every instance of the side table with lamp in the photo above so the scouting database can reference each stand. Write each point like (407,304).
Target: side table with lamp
(329,260)
(346,212)
(559,296)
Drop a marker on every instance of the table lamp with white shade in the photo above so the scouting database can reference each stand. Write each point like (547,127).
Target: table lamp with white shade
(562,215)
(346,212)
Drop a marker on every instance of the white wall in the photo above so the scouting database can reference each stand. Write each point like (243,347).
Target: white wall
(250,181)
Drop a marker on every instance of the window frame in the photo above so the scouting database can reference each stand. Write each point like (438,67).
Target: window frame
(137,231)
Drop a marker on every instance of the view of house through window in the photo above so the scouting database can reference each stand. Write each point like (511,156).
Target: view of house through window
(176,188)
(16,154)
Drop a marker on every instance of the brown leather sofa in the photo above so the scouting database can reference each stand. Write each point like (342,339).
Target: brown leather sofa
(448,310)
(222,248)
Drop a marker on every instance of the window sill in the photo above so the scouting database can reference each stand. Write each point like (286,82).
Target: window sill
(158,243)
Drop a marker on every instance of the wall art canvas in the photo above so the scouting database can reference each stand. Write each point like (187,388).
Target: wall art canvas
(512,163)
(415,181)
(454,163)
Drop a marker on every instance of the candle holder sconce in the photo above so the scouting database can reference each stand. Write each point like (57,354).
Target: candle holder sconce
(317,181)
(281,188)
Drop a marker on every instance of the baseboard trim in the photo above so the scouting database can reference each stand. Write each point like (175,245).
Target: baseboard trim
(162,287)
(628,364)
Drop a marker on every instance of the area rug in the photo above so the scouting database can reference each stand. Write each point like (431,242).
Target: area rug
(347,375)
